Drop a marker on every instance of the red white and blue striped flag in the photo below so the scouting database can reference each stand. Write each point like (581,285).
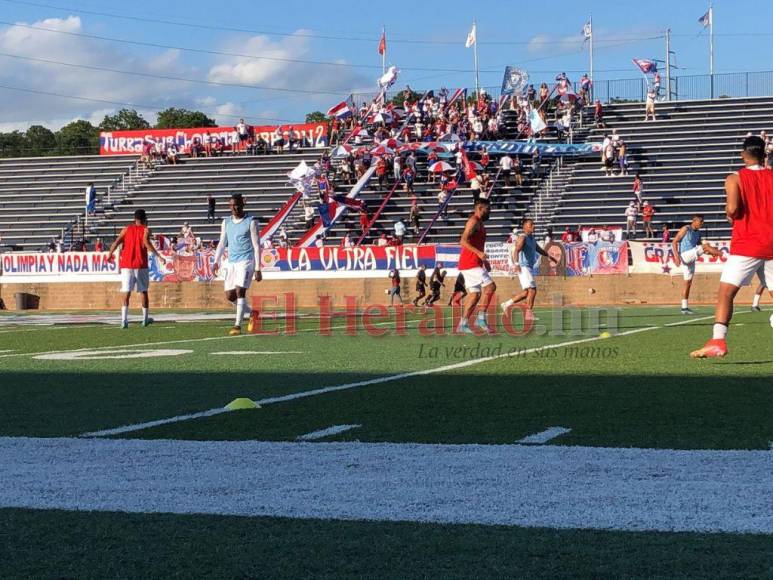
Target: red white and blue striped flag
(646,66)
(340,111)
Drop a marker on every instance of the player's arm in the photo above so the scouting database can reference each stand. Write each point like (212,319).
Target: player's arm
(221,245)
(519,244)
(150,247)
(711,250)
(469,229)
(733,191)
(675,245)
(542,252)
(255,236)
(114,246)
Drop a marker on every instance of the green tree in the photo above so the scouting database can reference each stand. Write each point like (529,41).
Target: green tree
(124,120)
(399,99)
(316,117)
(13,144)
(40,141)
(78,138)
(173,118)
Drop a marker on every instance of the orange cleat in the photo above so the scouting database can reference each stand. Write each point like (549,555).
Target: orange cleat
(716,347)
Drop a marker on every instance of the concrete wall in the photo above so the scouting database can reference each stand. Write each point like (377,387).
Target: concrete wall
(600,290)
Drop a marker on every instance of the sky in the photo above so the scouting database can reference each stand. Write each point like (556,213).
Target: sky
(272,62)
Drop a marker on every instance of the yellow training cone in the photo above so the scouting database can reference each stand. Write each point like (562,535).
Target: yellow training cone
(242,403)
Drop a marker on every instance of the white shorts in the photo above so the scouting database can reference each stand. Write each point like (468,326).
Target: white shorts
(476,278)
(739,271)
(239,274)
(526,278)
(688,261)
(134,279)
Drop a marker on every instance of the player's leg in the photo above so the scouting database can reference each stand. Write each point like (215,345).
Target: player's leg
(737,272)
(143,283)
(470,304)
(531,298)
(487,294)
(125,310)
(760,289)
(128,282)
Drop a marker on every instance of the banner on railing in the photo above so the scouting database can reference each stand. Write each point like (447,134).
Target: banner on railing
(529,147)
(130,142)
(586,259)
(601,234)
(357,259)
(658,258)
(50,266)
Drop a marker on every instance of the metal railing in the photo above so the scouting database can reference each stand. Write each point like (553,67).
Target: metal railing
(683,88)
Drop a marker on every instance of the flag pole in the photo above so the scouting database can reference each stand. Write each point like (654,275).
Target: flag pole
(711,45)
(383,54)
(475,54)
(591,55)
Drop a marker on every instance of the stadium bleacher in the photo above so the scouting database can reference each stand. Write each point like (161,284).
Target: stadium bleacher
(683,158)
(40,197)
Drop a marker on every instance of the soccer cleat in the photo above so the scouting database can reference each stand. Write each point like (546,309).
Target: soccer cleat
(756,309)
(483,325)
(125,324)
(504,306)
(235,331)
(687,311)
(147,322)
(464,328)
(253,323)
(716,347)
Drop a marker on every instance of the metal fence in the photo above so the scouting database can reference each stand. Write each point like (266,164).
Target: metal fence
(683,87)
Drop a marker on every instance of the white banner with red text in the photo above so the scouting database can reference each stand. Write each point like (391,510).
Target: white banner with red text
(658,258)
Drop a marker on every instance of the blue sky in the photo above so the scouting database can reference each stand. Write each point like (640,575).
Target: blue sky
(424,41)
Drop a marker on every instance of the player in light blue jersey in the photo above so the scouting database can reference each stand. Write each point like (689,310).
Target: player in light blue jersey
(240,235)
(525,258)
(688,246)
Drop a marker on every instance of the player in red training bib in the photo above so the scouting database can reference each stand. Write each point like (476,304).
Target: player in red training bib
(135,242)
(750,208)
(474,266)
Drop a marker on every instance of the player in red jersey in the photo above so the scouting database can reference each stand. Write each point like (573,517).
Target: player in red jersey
(474,266)
(135,242)
(750,208)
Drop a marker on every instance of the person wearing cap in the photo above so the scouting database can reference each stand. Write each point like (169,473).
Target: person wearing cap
(631,213)
(647,211)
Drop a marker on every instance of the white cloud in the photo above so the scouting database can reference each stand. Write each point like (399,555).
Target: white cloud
(281,73)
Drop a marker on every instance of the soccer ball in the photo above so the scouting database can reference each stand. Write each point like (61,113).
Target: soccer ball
(771,319)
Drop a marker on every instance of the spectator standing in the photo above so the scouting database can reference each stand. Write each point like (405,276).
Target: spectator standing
(598,114)
(442,198)
(631,213)
(210,208)
(647,211)
(637,188)
(283,238)
(505,167)
(415,217)
(566,237)
(666,235)
(649,106)
(382,241)
(609,158)
(399,230)
(99,246)
(622,158)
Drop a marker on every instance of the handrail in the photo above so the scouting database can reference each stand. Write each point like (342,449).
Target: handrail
(380,209)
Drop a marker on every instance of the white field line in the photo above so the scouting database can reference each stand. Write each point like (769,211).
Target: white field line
(322,433)
(8,350)
(409,324)
(246,352)
(705,491)
(347,386)
(544,436)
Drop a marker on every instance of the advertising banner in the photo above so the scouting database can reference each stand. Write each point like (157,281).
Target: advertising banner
(130,142)
(658,258)
(586,259)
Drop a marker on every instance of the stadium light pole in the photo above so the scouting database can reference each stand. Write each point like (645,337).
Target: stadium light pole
(668,64)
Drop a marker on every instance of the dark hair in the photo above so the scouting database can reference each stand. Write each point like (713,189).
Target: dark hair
(482,201)
(698,216)
(754,147)
(526,221)
(140,215)
(237,197)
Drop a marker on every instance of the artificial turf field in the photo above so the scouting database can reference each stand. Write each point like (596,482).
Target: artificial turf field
(460,398)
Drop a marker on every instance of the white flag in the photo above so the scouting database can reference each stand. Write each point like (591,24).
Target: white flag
(471,37)
(587,30)
(707,18)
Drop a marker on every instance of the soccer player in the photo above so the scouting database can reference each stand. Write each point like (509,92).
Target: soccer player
(459,291)
(421,284)
(526,250)
(135,242)
(758,296)
(750,207)
(474,266)
(688,246)
(239,233)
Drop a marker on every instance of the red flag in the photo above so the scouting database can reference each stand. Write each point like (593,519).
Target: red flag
(382,44)
(467,167)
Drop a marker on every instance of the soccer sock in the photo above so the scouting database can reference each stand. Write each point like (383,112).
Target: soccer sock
(124,314)
(239,311)
(508,304)
(756,301)
(144,314)
(720,331)
(684,303)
